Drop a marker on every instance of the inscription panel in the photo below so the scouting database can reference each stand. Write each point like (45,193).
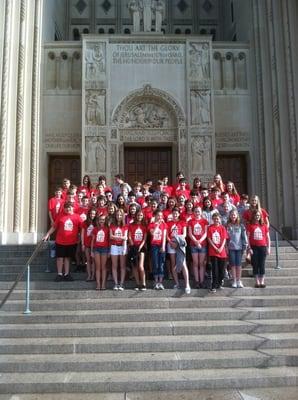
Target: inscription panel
(232,140)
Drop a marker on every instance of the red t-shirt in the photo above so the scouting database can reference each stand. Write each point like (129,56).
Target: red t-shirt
(185,193)
(159,230)
(257,234)
(175,228)
(248,213)
(167,214)
(102,210)
(235,199)
(68,227)
(88,229)
(186,217)
(101,236)
(84,189)
(118,231)
(55,205)
(198,228)
(217,234)
(137,233)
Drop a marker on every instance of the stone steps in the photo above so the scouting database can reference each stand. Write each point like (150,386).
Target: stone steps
(147,380)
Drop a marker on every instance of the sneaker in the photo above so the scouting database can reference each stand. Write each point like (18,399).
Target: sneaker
(176,287)
(143,288)
(68,278)
(234,285)
(239,284)
(59,278)
(220,287)
(187,290)
(137,288)
(226,276)
(213,290)
(156,286)
(161,287)
(115,287)
(121,288)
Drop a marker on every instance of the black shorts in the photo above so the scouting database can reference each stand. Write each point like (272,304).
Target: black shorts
(65,250)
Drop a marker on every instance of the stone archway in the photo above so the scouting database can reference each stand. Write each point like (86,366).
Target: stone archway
(148,117)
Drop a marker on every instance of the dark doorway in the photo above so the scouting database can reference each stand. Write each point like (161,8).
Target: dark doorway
(61,167)
(233,167)
(147,163)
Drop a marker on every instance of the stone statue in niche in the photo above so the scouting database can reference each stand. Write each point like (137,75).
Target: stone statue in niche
(94,108)
(95,61)
(134,7)
(95,160)
(201,155)
(147,7)
(200,107)
(159,8)
(146,116)
(199,62)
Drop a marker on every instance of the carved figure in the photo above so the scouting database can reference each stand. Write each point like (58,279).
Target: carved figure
(95,154)
(204,107)
(95,113)
(199,62)
(95,61)
(159,13)
(135,10)
(147,14)
(146,116)
(201,153)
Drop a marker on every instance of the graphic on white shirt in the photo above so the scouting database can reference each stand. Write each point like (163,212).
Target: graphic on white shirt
(216,237)
(100,237)
(157,234)
(174,230)
(138,235)
(68,225)
(197,229)
(258,234)
(89,230)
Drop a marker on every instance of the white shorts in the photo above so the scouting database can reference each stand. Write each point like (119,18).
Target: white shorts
(118,250)
(170,249)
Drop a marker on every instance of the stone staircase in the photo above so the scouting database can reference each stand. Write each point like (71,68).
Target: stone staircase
(80,340)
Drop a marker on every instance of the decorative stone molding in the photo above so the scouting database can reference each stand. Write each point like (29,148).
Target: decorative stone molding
(232,141)
(114,159)
(151,96)
(114,133)
(148,135)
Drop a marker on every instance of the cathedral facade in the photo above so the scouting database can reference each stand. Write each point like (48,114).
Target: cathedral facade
(146,88)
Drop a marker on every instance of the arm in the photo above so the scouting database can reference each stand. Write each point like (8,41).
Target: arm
(204,236)
(191,236)
(48,234)
(82,238)
(268,243)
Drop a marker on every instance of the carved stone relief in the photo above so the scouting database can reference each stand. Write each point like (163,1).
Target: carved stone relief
(200,101)
(232,140)
(201,153)
(114,134)
(95,61)
(199,63)
(95,107)
(146,115)
(95,160)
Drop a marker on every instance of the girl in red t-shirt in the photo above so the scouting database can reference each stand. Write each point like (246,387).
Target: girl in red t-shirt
(259,242)
(118,241)
(197,233)
(217,236)
(137,236)
(100,248)
(132,212)
(167,213)
(86,238)
(231,190)
(255,204)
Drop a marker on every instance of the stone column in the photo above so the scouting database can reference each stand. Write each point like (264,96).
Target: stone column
(275,151)
(19,122)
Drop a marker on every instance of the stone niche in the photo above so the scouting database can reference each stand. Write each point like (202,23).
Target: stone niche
(146,90)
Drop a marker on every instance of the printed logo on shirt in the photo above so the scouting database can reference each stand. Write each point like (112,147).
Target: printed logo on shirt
(83,217)
(100,237)
(258,234)
(197,229)
(157,234)
(118,232)
(68,225)
(216,237)
(89,230)
(138,235)
(174,230)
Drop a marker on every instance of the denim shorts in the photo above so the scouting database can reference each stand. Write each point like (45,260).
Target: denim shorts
(101,250)
(235,258)
(196,250)
(170,249)
(118,250)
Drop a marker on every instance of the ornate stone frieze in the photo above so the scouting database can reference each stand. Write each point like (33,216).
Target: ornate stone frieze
(148,135)
(95,109)
(201,153)
(146,115)
(114,133)
(232,140)
(95,154)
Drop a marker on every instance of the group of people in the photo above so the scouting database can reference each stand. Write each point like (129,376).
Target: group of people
(201,230)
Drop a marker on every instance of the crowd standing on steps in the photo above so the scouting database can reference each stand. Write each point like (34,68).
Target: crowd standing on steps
(162,231)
